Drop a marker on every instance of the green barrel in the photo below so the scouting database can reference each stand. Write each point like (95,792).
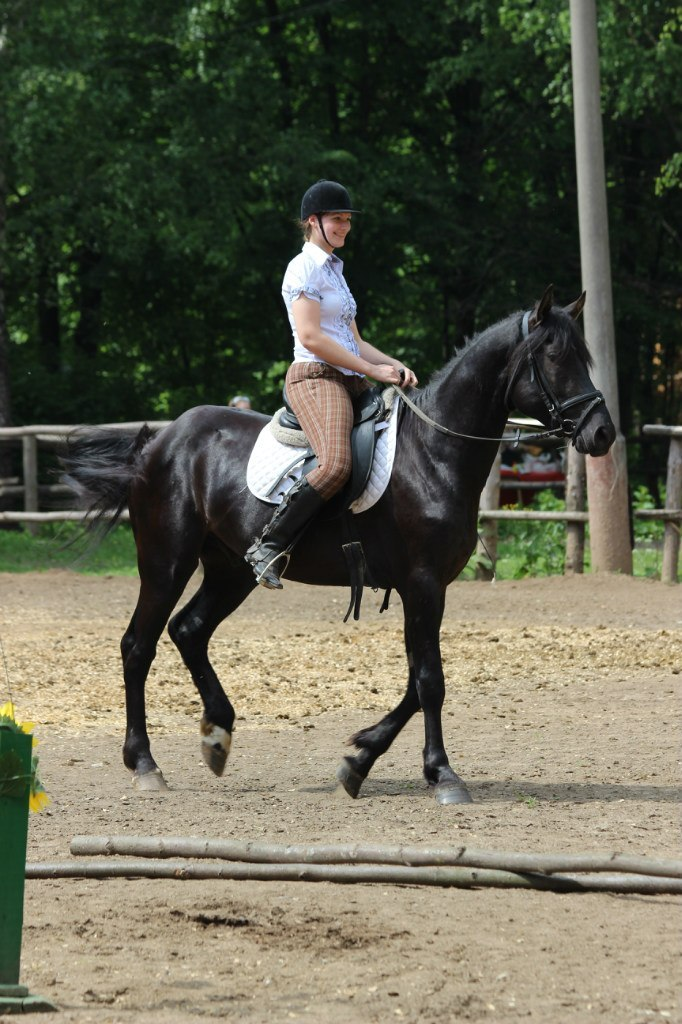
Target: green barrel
(15,771)
(15,749)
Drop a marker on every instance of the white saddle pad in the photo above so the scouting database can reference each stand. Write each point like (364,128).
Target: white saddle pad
(274,467)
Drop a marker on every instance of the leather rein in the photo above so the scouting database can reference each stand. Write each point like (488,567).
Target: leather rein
(563,427)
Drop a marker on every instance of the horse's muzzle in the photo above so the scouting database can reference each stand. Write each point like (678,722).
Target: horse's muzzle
(597,434)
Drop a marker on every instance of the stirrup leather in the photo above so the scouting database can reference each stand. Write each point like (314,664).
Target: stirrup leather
(282,533)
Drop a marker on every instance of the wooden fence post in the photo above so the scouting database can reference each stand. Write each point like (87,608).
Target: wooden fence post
(30,467)
(673,500)
(575,502)
(487,542)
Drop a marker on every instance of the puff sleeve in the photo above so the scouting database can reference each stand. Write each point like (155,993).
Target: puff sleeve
(303,277)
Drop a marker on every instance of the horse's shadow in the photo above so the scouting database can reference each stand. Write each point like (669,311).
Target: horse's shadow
(521,791)
(574,792)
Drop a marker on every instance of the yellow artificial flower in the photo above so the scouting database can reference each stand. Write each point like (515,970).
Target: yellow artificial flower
(38,800)
(7,711)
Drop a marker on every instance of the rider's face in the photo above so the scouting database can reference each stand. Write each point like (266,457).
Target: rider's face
(336,227)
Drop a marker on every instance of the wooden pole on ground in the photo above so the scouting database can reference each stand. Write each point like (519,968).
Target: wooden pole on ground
(369,853)
(353,874)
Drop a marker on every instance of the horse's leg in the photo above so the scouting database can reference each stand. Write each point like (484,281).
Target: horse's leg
(159,592)
(221,592)
(371,743)
(423,604)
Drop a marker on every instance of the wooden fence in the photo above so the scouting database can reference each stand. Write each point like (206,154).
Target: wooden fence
(28,487)
(576,517)
(35,494)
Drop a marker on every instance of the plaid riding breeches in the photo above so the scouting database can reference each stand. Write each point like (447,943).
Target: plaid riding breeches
(322,398)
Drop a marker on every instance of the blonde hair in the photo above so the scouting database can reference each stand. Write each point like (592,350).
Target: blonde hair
(306,228)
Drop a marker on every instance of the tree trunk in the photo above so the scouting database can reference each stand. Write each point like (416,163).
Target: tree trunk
(325,34)
(48,318)
(5,394)
(280,58)
(90,303)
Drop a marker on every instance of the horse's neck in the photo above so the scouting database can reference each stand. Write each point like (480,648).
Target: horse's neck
(470,390)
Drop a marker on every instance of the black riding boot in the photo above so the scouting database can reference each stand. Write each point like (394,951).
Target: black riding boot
(269,556)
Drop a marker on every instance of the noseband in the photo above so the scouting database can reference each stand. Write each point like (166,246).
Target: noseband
(562,427)
(556,409)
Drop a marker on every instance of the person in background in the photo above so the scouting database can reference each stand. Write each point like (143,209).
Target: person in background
(240,402)
(330,367)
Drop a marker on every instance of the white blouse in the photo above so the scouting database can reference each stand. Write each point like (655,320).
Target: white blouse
(319,275)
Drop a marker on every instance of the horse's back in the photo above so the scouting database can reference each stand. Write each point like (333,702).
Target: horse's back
(202,421)
(203,431)
(196,465)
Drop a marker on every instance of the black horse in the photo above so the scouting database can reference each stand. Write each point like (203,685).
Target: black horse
(186,492)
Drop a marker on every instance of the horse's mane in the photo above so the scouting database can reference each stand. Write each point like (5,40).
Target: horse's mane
(451,366)
(562,328)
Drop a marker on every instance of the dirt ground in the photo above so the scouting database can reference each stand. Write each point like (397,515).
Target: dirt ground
(561,715)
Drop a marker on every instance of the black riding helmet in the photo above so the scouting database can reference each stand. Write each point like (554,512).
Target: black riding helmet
(325,197)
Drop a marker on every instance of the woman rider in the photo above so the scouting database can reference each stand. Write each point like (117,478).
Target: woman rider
(330,367)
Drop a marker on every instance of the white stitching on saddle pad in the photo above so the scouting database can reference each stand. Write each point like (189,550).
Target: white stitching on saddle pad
(274,467)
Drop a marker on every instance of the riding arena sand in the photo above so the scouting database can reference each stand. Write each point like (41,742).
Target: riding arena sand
(560,715)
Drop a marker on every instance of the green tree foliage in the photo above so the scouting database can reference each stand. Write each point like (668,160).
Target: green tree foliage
(641,59)
(154,156)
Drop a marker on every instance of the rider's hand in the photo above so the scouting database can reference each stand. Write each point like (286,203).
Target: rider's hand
(385,373)
(408,378)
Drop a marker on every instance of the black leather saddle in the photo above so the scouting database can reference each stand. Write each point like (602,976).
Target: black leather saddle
(369,409)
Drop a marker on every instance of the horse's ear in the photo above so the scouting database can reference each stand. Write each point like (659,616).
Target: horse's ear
(542,308)
(576,308)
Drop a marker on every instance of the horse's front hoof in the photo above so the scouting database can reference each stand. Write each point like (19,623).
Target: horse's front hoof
(150,782)
(215,746)
(452,793)
(348,777)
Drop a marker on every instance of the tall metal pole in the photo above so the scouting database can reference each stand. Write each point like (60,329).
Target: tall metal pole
(607,477)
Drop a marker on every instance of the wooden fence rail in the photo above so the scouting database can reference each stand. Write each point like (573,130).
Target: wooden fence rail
(49,435)
(574,516)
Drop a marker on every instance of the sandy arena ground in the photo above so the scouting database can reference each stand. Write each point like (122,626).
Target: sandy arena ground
(560,714)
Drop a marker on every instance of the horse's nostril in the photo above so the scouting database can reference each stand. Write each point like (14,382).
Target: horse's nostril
(604,436)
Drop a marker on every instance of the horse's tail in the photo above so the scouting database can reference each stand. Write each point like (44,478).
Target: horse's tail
(99,467)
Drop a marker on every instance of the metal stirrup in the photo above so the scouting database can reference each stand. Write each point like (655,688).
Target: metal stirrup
(281,554)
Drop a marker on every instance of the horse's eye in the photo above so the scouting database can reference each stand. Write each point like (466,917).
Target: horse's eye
(551,350)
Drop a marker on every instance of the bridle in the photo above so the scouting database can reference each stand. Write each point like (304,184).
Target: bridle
(556,409)
(561,426)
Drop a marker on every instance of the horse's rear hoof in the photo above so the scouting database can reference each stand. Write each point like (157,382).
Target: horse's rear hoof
(452,793)
(150,782)
(215,746)
(348,777)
